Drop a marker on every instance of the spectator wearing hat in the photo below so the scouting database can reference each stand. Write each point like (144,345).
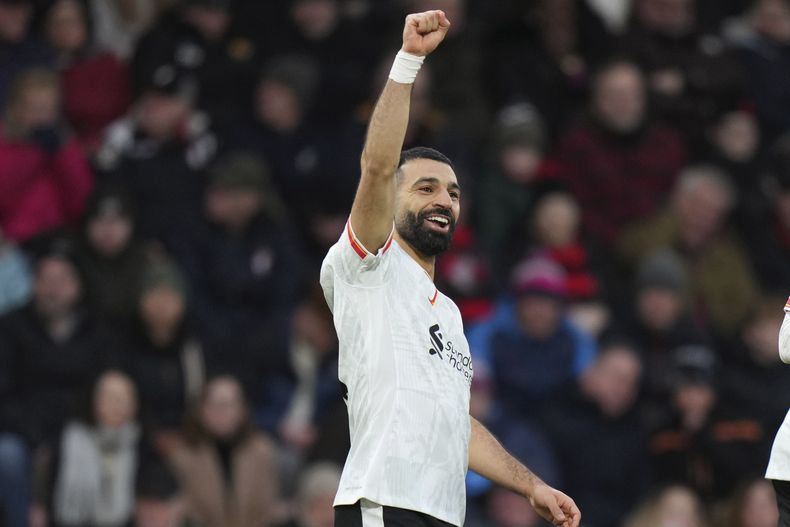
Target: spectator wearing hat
(95,83)
(507,186)
(244,262)
(617,162)
(609,474)
(111,256)
(528,347)
(159,152)
(197,37)
(694,225)
(51,350)
(701,442)
(44,178)
(21,50)
(165,356)
(662,320)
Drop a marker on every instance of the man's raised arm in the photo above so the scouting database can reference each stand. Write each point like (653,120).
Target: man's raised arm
(373,211)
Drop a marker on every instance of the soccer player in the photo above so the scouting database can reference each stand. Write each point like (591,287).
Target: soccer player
(403,356)
(779,464)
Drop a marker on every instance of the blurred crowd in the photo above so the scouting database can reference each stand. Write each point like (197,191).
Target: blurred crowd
(173,172)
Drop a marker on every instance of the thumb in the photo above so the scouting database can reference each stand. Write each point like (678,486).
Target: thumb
(444,22)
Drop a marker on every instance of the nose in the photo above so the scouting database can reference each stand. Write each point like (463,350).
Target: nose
(443,199)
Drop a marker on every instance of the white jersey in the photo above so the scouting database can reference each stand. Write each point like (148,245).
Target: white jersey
(406,365)
(779,464)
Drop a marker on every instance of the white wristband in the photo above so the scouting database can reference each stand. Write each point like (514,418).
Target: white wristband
(405,67)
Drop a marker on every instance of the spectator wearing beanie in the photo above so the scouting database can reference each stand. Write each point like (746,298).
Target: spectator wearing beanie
(528,347)
(662,319)
(111,256)
(44,178)
(95,84)
(244,262)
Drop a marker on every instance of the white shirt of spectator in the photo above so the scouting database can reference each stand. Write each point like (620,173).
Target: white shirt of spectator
(406,366)
(779,464)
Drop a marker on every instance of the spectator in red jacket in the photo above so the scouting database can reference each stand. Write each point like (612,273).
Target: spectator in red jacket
(617,163)
(44,179)
(95,84)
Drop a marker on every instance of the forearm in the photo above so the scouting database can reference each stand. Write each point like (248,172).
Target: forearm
(386,131)
(489,458)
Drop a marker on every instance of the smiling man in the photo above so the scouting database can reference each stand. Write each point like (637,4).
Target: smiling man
(403,356)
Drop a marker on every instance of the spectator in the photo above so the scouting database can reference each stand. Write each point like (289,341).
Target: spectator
(225,468)
(765,56)
(16,282)
(606,476)
(44,179)
(662,319)
(528,347)
(21,50)
(244,262)
(158,151)
(672,505)
(95,84)
(158,498)
(197,37)
(97,461)
(50,350)
(691,75)
(167,357)
(618,163)
(315,494)
(112,257)
(752,505)
(507,186)
(118,24)
(754,376)
(723,288)
(702,442)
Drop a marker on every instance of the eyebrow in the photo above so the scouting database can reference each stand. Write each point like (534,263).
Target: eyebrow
(435,181)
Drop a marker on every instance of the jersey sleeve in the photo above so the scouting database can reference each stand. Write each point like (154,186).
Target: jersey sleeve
(348,260)
(784,335)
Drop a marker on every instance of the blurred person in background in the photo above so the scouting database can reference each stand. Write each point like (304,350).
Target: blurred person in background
(723,287)
(314,496)
(543,53)
(243,261)
(16,277)
(158,499)
(118,24)
(596,431)
(44,178)
(531,350)
(94,467)
(51,349)
(617,162)
(159,152)
(703,440)
(662,318)
(752,505)
(691,74)
(765,58)
(673,505)
(94,83)
(111,255)
(507,184)
(199,39)
(166,356)
(20,49)
(226,469)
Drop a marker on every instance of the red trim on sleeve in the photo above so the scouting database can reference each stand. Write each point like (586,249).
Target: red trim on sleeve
(354,244)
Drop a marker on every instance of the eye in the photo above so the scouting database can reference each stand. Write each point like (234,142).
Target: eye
(426,189)
(455,195)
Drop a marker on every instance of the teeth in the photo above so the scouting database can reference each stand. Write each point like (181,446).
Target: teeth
(440,219)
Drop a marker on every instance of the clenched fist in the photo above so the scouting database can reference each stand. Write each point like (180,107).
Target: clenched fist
(424,31)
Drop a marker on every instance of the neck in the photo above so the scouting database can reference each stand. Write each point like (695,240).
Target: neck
(428,263)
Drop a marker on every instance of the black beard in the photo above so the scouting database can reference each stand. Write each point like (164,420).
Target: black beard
(411,227)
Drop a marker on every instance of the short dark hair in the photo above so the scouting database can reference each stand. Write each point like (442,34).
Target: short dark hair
(423,152)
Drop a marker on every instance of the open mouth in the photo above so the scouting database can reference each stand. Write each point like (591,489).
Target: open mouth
(438,222)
